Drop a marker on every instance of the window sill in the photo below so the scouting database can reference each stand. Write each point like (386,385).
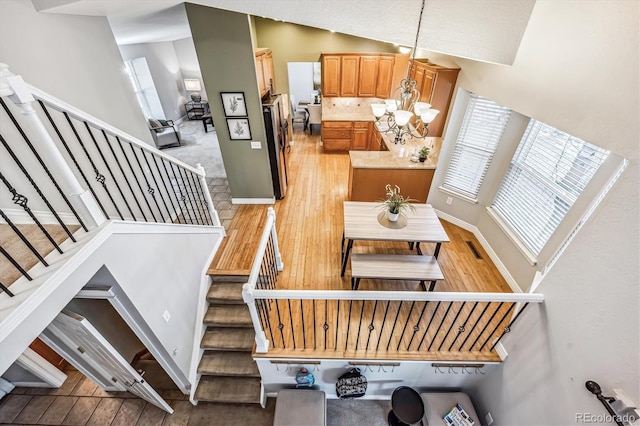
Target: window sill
(458,195)
(528,255)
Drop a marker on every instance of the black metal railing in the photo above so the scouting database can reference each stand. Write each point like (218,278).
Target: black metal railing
(370,324)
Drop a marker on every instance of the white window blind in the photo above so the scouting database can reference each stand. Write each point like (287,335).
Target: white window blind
(547,174)
(481,130)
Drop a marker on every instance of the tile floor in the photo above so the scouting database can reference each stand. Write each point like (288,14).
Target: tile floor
(221,195)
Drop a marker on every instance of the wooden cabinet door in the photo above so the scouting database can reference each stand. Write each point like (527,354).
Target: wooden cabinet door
(360,139)
(419,77)
(368,76)
(267,70)
(427,85)
(349,67)
(385,76)
(260,74)
(331,75)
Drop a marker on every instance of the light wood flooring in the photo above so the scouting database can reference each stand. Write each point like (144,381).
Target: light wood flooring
(309,227)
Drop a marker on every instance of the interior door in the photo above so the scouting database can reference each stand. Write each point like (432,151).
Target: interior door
(83,340)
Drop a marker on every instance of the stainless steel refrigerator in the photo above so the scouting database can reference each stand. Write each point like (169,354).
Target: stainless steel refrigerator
(277,131)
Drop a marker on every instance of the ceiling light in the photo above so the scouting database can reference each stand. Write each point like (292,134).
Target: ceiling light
(401,109)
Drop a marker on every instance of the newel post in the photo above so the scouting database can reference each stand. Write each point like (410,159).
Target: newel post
(274,237)
(207,196)
(14,87)
(262,344)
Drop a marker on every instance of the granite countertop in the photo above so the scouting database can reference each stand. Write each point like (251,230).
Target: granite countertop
(348,109)
(392,159)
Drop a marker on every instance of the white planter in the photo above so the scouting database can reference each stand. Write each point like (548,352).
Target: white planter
(393,217)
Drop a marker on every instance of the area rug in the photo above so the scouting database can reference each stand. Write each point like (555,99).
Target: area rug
(355,412)
(199,147)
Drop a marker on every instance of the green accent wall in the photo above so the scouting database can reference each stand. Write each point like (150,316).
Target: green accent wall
(223,45)
(299,43)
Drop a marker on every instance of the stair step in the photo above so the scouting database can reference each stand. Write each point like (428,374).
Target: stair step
(231,276)
(228,316)
(224,292)
(239,390)
(228,339)
(221,363)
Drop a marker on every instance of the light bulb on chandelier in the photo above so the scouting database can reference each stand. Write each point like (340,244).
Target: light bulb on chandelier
(406,102)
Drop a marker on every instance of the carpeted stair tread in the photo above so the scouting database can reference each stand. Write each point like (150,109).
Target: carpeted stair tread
(228,316)
(229,339)
(240,390)
(221,363)
(229,276)
(230,293)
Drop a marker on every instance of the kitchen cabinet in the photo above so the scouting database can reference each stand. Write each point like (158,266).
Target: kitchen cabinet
(361,75)
(349,67)
(360,136)
(385,76)
(436,84)
(264,70)
(336,135)
(368,75)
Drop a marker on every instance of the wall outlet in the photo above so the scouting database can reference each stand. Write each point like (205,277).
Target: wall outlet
(256,145)
(449,200)
(488,418)
(166,316)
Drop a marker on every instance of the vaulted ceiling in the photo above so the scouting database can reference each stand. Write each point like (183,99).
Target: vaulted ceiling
(484,30)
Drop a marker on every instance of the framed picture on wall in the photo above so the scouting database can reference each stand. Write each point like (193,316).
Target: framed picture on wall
(234,105)
(239,129)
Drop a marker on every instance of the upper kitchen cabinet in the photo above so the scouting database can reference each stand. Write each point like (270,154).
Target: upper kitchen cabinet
(436,84)
(360,75)
(264,70)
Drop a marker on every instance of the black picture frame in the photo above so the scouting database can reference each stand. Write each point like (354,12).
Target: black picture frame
(239,129)
(234,104)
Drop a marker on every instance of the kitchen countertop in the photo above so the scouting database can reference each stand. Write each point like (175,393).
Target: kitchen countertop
(391,159)
(348,109)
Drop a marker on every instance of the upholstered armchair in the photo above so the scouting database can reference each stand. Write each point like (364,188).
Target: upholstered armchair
(164,133)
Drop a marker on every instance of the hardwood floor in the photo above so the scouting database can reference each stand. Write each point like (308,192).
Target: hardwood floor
(309,226)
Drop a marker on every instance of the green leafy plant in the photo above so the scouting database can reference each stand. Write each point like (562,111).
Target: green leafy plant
(423,152)
(396,202)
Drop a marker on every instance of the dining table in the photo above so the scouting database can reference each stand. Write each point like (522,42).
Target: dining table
(368,221)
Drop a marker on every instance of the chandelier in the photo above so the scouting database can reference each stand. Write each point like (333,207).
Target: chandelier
(405,104)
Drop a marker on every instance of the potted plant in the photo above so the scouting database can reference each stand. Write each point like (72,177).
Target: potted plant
(395,203)
(422,153)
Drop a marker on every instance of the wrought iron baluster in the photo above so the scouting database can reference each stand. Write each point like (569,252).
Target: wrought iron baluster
(267,314)
(24,239)
(189,191)
(183,208)
(474,325)
(115,157)
(486,325)
(346,341)
(372,325)
(395,321)
(416,327)
(314,324)
(150,190)
(164,183)
(451,326)
(498,325)
(35,186)
(6,290)
(104,160)
(507,329)
(196,195)
(155,182)
(135,178)
(293,335)
(462,328)
(406,323)
(384,320)
(173,181)
(44,166)
(15,263)
(426,330)
(360,323)
(304,333)
(325,326)
(337,323)
(99,177)
(204,203)
(280,324)
(444,317)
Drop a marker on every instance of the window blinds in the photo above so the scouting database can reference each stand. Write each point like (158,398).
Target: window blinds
(482,127)
(548,172)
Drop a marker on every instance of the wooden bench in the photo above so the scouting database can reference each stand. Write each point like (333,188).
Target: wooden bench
(395,267)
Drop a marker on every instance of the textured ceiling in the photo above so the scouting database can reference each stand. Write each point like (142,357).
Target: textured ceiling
(485,30)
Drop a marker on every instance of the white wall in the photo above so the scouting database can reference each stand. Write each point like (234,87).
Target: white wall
(189,65)
(300,80)
(165,71)
(577,70)
(75,58)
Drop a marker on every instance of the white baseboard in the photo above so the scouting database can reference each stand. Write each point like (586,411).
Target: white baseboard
(486,246)
(502,352)
(5,387)
(253,200)
(20,217)
(34,363)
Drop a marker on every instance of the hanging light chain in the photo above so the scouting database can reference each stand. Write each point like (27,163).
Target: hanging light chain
(415,44)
